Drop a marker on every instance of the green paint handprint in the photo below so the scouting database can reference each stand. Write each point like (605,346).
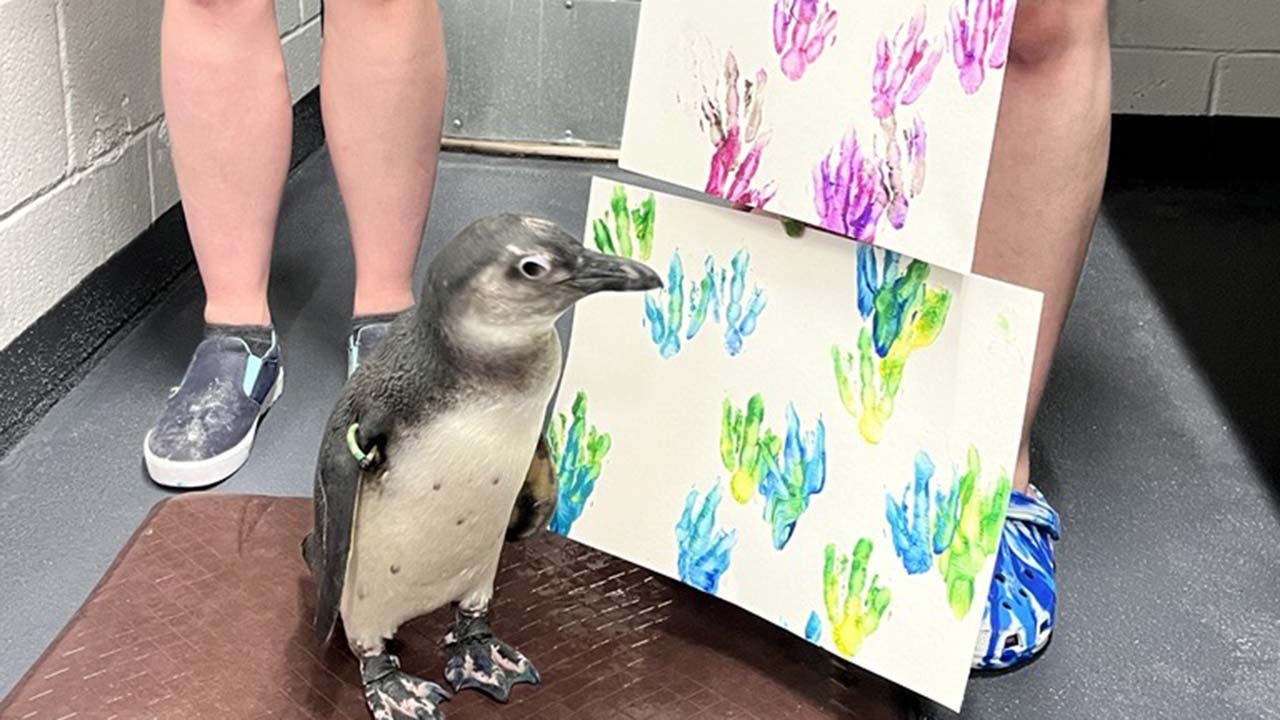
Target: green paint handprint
(901,314)
(970,533)
(854,618)
(741,443)
(785,473)
(704,296)
(627,224)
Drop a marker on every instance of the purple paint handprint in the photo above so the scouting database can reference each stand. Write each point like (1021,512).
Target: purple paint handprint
(902,70)
(800,33)
(855,189)
(738,146)
(979,37)
(848,191)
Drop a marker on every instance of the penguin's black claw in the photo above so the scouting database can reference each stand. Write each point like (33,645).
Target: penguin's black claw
(394,695)
(480,661)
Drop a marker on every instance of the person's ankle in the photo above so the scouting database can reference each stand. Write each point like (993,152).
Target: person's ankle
(381,303)
(1022,473)
(237,314)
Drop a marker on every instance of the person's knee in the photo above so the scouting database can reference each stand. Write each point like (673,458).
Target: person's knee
(1047,31)
(375,4)
(230,7)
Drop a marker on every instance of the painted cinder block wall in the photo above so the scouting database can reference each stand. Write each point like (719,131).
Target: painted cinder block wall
(84,156)
(1196,57)
(84,163)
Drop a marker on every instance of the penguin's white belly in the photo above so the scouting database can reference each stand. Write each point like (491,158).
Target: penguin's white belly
(431,530)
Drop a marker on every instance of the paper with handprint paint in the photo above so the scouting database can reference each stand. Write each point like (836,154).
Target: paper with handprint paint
(755,429)
(872,119)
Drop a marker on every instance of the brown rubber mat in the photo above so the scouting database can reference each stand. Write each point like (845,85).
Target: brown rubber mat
(205,614)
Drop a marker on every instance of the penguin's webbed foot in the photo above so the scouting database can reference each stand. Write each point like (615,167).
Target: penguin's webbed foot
(394,695)
(480,661)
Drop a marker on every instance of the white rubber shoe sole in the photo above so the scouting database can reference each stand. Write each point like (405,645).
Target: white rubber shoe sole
(194,474)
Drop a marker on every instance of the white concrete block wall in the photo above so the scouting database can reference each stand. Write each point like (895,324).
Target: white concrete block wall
(1192,57)
(84,152)
(33,135)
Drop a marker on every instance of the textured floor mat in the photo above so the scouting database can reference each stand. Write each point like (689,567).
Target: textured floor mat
(205,614)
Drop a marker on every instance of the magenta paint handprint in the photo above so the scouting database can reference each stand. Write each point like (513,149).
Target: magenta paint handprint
(849,193)
(979,37)
(734,127)
(904,68)
(800,33)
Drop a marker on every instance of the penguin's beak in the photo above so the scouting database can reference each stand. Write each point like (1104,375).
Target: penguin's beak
(597,272)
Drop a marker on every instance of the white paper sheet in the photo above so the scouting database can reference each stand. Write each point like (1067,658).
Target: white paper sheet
(871,118)
(650,428)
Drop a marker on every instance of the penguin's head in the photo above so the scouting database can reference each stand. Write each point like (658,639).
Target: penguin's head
(509,277)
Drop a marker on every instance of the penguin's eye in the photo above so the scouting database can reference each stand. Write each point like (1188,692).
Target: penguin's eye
(534,267)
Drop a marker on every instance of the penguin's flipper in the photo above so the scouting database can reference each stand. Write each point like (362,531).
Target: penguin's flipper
(309,552)
(537,500)
(337,485)
(477,660)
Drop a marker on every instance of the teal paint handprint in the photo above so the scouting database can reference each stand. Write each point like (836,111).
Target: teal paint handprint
(741,321)
(664,325)
(793,477)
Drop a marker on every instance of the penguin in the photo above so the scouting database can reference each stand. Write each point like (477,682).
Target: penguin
(537,499)
(432,456)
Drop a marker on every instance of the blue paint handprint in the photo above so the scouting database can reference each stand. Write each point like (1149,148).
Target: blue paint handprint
(912,535)
(665,310)
(703,551)
(961,530)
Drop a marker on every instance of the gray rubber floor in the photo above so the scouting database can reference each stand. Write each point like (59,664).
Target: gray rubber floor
(1156,441)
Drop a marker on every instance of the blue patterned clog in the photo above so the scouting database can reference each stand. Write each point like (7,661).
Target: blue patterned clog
(1022,601)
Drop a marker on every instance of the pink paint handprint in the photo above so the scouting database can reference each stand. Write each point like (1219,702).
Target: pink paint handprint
(849,192)
(979,37)
(800,33)
(902,70)
(738,146)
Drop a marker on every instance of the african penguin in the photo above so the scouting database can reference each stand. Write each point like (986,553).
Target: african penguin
(420,473)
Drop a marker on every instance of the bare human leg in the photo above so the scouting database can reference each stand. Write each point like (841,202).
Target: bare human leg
(227,107)
(1047,167)
(382,90)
